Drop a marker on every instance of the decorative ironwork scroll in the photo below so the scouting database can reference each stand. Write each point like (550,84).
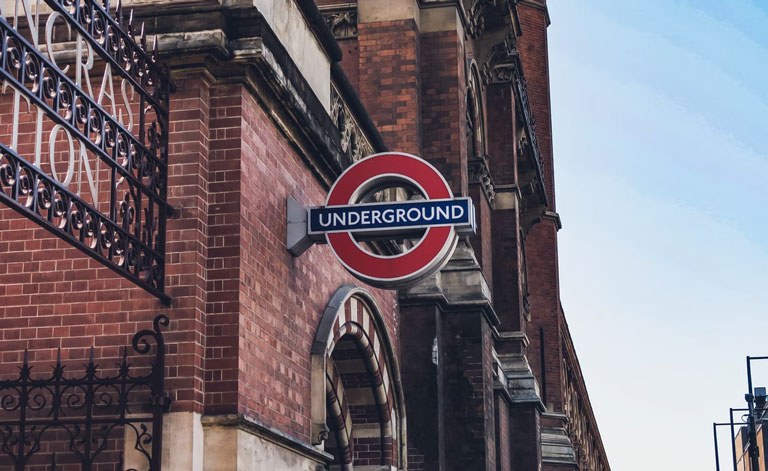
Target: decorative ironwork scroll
(92,419)
(121,221)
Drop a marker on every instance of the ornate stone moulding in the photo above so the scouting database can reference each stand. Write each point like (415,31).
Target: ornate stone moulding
(482,15)
(503,67)
(341,19)
(354,143)
(478,173)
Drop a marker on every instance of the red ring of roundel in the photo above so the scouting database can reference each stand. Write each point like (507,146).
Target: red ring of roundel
(409,264)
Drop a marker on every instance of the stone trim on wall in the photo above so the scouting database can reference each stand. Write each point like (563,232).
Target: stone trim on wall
(341,19)
(234,441)
(478,174)
(556,446)
(353,312)
(502,67)
(338,407)
(354,143)
(229,45)
(581,425)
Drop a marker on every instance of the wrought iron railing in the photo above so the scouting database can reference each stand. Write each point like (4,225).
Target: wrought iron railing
(126,232)
(93,419)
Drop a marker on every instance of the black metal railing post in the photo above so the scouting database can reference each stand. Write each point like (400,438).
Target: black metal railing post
(24,384)
(754,449)
(160,401)
(733,439)
(717,452)
(86,409)
(90,376)
(733,446)
(138,161)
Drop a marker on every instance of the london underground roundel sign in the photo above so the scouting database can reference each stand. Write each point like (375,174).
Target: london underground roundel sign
(345,220)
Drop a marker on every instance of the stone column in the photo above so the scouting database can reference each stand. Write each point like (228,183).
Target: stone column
(422,381)
(458,299)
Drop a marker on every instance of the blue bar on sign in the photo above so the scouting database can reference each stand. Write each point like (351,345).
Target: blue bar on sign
(391,216)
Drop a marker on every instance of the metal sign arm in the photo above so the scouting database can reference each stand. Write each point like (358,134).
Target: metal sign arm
(297,238)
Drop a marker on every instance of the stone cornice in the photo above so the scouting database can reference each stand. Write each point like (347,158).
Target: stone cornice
(554,217)
(515,336)
(556,446)
(271,434)
(459,286)
(356,108)
(518,378)
(244,49)
(318,25)
(479,174)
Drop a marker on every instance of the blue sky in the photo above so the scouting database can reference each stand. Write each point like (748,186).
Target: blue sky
(660,126)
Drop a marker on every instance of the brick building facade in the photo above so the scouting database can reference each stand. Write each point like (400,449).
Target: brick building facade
(282,362)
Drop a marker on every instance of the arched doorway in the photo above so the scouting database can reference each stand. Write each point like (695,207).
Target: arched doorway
(357,402)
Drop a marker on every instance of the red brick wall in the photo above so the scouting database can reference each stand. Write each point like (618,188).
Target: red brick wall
(244,311)
(444,98)
(507,291)
(541,243)
(422,389)
(389,81)
(524,434)
(467,391)
(350,61)
(505,243)
(503,460)
(51,295)
(541,253)
(281,297)
(187,235)
(502,130)
(481,241)
(223,263)
(532,45)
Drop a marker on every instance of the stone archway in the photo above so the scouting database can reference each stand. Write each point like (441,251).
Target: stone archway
(357,401)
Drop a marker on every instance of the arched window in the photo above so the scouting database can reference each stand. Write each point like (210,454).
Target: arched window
(357,401)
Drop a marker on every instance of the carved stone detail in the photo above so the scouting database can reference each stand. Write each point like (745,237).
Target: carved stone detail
(341,21)
(577,426)
(501,64)
(320,433)
(477,13)
(502,73)
(525,304)
(478,173)
(531,210)
(354,142)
